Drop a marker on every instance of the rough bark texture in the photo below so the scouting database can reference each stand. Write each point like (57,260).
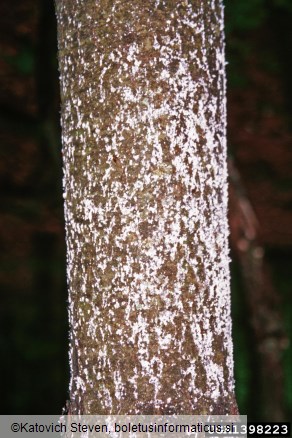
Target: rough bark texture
(143,119)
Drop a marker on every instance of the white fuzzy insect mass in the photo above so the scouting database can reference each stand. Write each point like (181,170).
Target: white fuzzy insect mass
(145,188)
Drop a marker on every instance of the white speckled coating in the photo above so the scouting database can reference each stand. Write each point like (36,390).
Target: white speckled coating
(145,189)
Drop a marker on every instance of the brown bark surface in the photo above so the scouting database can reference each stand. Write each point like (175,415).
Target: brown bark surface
(145,188)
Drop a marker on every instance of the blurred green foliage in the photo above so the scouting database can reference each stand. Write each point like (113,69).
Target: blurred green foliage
(244,15)
(24,61)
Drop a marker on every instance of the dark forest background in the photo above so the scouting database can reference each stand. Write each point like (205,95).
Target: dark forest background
(33,314)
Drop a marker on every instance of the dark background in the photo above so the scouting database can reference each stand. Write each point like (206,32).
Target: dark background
(33,315)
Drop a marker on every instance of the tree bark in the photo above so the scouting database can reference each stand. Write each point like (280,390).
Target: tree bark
(145,188)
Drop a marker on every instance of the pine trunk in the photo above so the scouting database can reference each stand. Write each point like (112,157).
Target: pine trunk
(145,188)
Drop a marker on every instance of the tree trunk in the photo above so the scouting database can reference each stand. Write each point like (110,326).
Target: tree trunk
(145,188)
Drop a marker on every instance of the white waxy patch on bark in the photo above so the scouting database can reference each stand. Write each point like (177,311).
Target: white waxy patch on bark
(145,191)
